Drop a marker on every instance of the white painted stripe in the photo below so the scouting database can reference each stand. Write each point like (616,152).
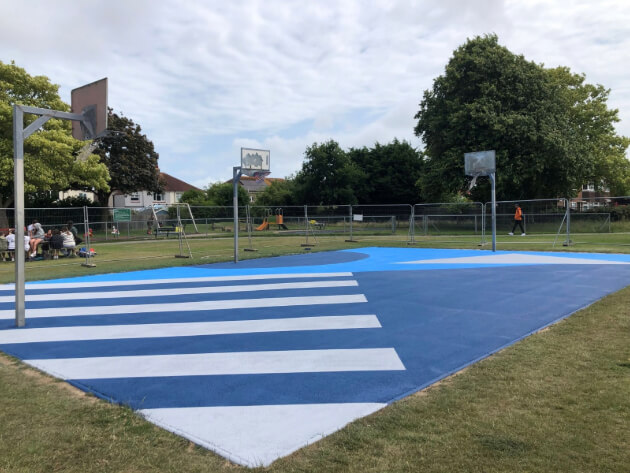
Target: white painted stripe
(257,435)
(249,277)
(515,258)
(73,296)
(187,306)
(208,364)
(116,332)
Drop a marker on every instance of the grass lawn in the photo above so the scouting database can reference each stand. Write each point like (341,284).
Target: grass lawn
(556,401)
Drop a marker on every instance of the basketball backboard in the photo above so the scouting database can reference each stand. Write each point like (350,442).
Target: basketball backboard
(90,100)
(481,163)
(254,160)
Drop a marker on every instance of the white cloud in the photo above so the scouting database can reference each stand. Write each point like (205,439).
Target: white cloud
(206,77)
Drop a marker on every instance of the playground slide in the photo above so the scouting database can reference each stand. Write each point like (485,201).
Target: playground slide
(263,226)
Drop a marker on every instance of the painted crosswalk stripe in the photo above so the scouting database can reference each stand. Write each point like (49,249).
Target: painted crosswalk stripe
(182,291)
(207,364)
(187,306)
(142,282)
(117,332)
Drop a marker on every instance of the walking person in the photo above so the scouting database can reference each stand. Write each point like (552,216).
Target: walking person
(518,220)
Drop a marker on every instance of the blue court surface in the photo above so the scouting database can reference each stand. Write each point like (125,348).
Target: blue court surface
(257,359)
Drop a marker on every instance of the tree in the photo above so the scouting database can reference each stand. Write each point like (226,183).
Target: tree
(328,176)
(193,197)
(551,131)
(130,158)
(50,162)
(279,193)
(388,173)
(222,194)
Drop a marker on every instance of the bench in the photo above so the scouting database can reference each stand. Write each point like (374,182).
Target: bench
(167,231)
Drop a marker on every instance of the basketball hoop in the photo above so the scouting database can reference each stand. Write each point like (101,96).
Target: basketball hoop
(261,175)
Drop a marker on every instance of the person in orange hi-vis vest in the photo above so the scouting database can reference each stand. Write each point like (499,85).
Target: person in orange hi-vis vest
(518,220)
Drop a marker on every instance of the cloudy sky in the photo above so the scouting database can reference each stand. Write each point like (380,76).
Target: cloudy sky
(204,78)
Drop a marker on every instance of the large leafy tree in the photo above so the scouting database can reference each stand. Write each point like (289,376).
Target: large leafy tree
(388,173)
(50,162)
(222,193)
(552,132)
(278,193)
(328,176)
(130,158)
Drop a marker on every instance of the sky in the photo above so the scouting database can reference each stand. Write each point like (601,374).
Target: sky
(204,78)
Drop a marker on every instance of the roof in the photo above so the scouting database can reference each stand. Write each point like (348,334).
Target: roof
(172,184)
(250,184)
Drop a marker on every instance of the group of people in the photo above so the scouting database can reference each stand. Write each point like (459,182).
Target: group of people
(56,242)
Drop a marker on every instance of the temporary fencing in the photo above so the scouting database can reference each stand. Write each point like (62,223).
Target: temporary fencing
(449,218)
(564,221)
(539,216)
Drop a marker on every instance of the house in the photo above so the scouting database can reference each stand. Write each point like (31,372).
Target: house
(171,194)
(254,186)
(589,197)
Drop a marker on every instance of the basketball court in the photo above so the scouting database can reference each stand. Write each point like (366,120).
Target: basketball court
(257,359)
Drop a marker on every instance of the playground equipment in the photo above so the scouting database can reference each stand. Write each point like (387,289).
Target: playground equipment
(272,219)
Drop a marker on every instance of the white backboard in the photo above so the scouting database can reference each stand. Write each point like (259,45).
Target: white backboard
(255,159)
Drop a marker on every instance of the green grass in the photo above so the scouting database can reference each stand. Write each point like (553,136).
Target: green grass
(556,401)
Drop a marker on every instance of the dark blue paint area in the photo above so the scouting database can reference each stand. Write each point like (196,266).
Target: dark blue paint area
(311,259)
(441,321)
(250,390)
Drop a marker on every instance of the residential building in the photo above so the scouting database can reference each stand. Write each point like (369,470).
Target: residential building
(254,186)
(171,194)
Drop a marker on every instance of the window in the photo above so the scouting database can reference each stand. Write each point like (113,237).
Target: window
(135,197)
(178,196)
(157,196)
(588,187)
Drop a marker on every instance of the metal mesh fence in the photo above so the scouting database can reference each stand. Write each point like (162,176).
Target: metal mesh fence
(540,216)
(607,218)
(602,214)
(458,218)
(381,220)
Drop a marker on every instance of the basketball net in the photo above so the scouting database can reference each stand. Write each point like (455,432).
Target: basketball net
(86,151)
(261,175)
(473,183)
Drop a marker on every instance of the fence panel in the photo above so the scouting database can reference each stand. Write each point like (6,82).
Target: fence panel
(449,218)
(540,216)
(602,214)
(390,220)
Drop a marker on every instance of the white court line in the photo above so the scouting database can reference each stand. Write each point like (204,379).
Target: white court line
(209,364)
(514,258)
(138,282)
(73,296)
(186,306)
(117,332)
